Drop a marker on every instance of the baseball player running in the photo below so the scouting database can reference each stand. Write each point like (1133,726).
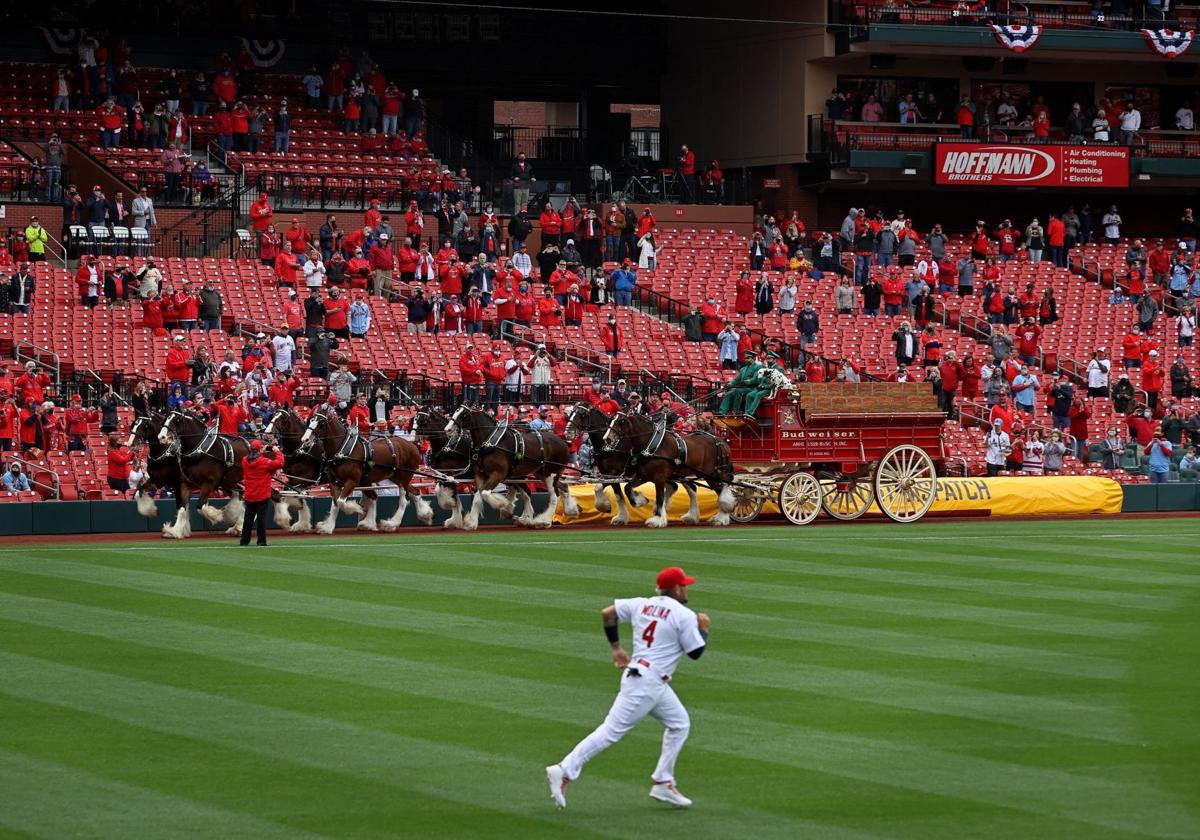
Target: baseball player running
(664,629)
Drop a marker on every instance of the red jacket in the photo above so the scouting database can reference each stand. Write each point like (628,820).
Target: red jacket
(573,311)
(1131,346)
(505,300)
(1152,377)
(611,338)
(470,366)
(78,419)
(82,276)
(9,414)
(951,374)
(360,416)
(524,306)
(551,222)
(452,277)
(743,301)
(293,313)
(1159,261)
(300,238)
(31,388)
(407,258)
(118,463)
(645,224)
(283,391)
(230,416)
(608,406)
(286,266)
(260,215)
(382,258)
(152,314)
(493,367)
(473,309)
(1056,233)
(1079,414)
(549,312)
(256,476)
(714,317)
(893,290)
(177,365)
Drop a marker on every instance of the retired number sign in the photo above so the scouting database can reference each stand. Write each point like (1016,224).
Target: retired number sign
(1009,165)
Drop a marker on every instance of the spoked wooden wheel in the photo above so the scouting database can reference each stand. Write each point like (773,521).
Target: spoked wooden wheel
(748,503)
(905,483)
(800,498)
(844,496)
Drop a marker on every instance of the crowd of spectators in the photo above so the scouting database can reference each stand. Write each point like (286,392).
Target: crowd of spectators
(1002,115)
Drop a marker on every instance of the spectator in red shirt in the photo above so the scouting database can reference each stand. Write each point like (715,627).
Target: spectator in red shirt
(1056,238)
(548,310)
(77,419)
(9,418)
(230,413)
(257,469)
(117,473)
(551,223)
(299,236)
(177,368)
(261,214)
(611,337)
(1131,348)
(471,368)
(337,313)
(360,415)
(1028,336)
(1152,379)
(287,264)
(951,372)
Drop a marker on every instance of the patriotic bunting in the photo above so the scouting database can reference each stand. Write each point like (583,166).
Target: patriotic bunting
(264,53)
(1168,42)
(1017,38)
(60,41)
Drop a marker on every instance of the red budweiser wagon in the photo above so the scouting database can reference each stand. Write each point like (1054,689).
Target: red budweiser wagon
(838,447)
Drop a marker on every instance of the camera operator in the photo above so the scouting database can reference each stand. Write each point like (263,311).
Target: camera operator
(257,469)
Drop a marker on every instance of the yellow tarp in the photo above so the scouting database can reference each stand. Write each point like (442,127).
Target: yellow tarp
(1031,496)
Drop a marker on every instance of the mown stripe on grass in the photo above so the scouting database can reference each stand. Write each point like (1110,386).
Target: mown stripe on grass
(1079,719)
(437,769)
(613,580)
(1054,793)
(332,567)
(49,799)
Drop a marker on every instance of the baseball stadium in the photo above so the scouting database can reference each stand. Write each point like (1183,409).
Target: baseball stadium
(505,420)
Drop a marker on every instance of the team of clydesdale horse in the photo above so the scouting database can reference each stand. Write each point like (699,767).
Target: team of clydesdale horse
(467,446)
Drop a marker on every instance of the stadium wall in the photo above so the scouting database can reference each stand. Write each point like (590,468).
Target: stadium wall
(116,517)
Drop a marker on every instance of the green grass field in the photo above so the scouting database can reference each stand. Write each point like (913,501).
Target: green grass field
(965,680)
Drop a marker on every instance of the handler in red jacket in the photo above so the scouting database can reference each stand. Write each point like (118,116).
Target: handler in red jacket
(257,469)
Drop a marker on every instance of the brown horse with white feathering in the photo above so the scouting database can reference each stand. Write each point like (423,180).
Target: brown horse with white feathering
(501,453)
(352,461)
(663,457)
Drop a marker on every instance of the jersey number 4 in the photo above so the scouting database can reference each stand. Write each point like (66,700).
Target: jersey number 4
(648,633)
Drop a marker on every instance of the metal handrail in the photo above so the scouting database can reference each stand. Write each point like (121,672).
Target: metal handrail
(29,467)
(22,357)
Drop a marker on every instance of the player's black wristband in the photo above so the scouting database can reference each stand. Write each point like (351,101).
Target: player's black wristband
(612,633)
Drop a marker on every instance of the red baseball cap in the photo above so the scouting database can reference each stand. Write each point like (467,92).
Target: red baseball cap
(674,576)
(256,445)
(333,400)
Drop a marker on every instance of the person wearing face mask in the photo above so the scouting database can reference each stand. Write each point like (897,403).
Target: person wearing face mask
(1142,426)
(1112,448)
(36,239)
(16,481)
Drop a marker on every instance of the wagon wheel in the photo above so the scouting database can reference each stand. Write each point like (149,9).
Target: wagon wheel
(747,503)
(905,483)
(800,498)
(844,496)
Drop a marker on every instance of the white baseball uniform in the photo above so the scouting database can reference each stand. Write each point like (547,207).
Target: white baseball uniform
(663,631)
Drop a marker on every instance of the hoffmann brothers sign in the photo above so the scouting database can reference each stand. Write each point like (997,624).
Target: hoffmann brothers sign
(981,164)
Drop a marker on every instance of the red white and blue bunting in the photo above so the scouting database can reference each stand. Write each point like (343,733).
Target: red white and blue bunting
(1168,42)
(60,42)
(264,53)
(1017,38)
